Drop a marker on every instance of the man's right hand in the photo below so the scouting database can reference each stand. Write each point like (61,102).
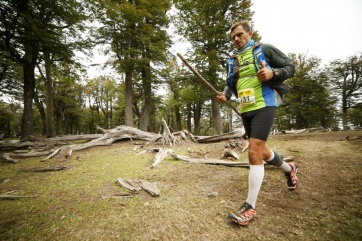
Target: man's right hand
(221,97)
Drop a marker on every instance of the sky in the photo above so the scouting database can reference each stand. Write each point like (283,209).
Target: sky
(328,29)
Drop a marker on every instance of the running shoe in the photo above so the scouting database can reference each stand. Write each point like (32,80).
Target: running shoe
(244,215)
(292,179)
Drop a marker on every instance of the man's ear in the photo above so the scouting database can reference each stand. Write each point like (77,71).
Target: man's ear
(250,33)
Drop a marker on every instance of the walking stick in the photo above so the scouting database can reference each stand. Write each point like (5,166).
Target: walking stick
(205,81)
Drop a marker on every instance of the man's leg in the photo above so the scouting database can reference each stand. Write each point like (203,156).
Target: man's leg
(256,172)
(290,170)
(247,212)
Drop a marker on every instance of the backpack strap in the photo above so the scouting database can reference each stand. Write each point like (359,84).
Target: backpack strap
(258,56)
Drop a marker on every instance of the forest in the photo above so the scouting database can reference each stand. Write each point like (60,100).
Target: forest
(45,90)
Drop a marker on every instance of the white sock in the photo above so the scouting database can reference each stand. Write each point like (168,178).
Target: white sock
(256,176)
(286,167)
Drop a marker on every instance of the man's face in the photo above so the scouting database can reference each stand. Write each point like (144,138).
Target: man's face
(239,37)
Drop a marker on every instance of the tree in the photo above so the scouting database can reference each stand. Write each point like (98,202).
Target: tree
(205,24)
(136,32)
(309,102)
(28,27)
(103,91)
(355,115)
(346,80)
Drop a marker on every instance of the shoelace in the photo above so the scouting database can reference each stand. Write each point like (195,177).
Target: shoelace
(245,216)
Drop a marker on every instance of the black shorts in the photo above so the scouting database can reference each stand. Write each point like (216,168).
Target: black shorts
(258,123)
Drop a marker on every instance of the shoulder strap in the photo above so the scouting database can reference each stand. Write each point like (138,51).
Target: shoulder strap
(258,55)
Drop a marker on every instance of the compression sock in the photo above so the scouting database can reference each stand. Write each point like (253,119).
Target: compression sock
(256,176)
(277,160)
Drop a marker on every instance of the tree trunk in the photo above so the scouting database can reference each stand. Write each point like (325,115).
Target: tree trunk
(129,99)
(189,116)
(216,116)
(49,126)
(197,117)
(30,57)
(178,118)
(41,109)
(344,111)
(145,112)
(230,116)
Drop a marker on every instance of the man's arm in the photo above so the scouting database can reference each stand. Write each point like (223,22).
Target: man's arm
(281,64)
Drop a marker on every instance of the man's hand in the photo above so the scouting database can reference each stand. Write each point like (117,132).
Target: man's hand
(264,74)
(221,97)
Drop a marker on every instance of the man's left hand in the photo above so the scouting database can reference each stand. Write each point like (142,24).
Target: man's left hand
(264,74)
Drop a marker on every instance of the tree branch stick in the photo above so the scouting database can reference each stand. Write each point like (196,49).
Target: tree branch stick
(205,81)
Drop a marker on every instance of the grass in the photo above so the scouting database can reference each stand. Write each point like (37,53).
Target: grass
(69,203)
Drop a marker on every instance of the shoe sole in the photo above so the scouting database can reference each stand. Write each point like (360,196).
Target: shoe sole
(235,220)
(296,185)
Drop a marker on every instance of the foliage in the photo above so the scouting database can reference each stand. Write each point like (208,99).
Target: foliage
(11,79)
(308,103)
(355,115)
(346,81)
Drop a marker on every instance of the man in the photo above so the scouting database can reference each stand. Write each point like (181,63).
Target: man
(255,76)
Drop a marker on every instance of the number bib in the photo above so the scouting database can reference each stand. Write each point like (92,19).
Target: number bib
(246,97)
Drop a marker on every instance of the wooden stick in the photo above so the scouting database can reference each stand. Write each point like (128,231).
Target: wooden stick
(205,81)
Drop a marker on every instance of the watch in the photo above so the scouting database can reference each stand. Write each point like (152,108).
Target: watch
(276,72)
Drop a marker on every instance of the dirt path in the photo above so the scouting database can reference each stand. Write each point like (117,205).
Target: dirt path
(69,204)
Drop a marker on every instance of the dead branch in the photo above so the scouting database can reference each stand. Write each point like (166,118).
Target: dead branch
(118,195)
(128,186)
(45,169)
(11,196)
(137,185)
(7,158)
(230,154)
(150,188)
(168,137)
(162,154)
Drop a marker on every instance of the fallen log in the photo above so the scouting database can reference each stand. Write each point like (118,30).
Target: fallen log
(295,131)
(222,137)
(111,136)
(209,161)
(219,162)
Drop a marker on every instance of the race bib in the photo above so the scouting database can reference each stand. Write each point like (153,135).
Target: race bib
(246,97)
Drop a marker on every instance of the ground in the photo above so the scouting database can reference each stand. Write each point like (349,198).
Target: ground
(69,204)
